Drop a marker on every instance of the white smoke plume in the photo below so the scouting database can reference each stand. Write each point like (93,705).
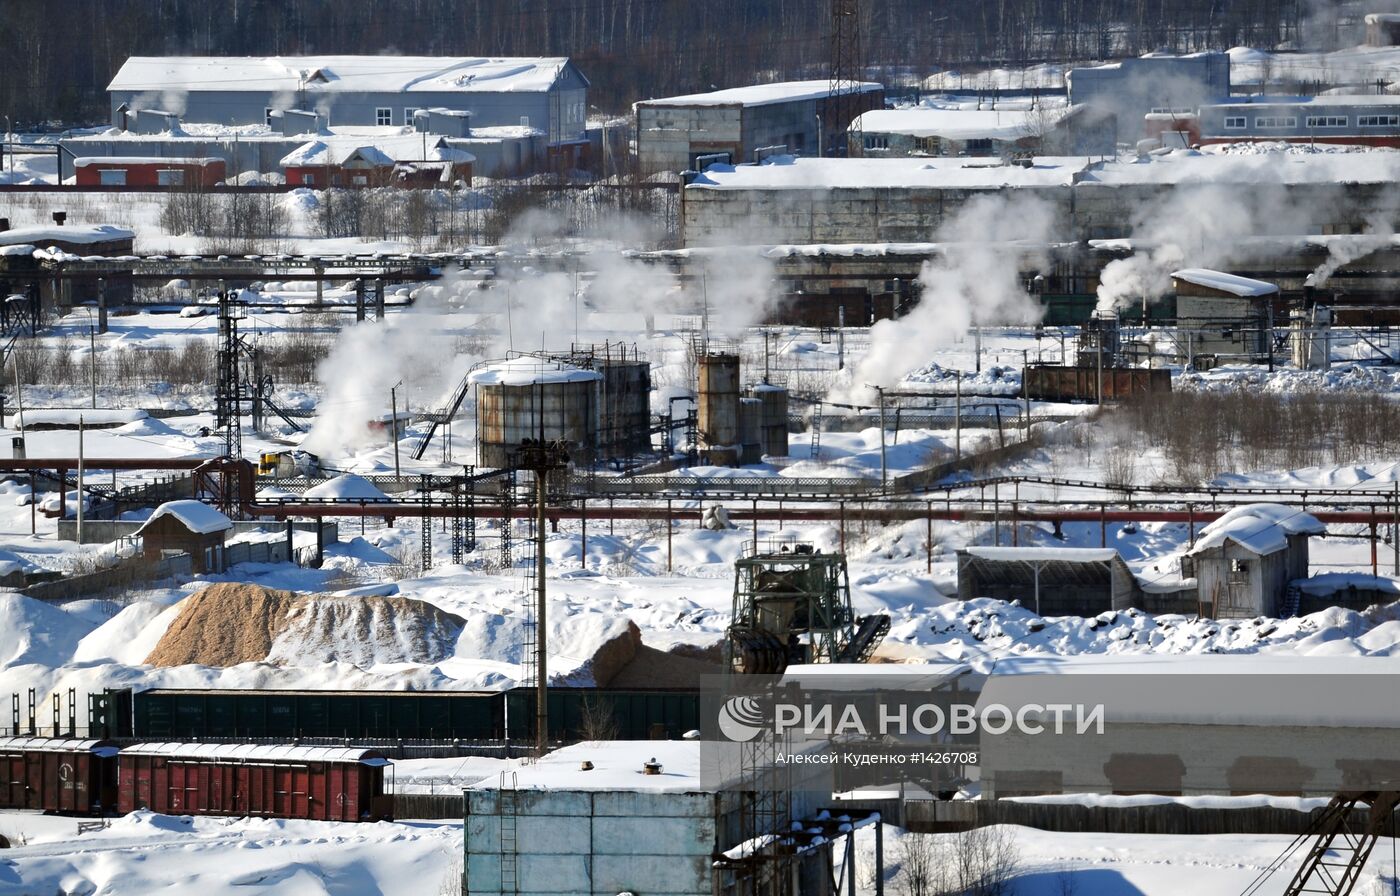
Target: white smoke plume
(1377,234)
(974,282)
(1198,226)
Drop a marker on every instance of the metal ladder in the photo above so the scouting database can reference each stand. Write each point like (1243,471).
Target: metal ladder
(817,431)
(507,807)
(1292,602)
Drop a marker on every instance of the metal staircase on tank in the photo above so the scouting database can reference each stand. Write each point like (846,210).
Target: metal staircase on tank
(442,415)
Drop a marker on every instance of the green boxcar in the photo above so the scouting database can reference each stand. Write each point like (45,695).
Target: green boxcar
(585,713)
(384,715)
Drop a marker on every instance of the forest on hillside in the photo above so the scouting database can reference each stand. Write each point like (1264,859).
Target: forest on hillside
(60,54)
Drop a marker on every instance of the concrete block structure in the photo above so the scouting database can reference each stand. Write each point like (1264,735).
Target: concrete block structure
(1221,314)
(734,125)
(1132,88)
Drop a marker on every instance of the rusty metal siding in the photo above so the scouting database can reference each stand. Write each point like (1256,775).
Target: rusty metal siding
(508,415)
(719,408)
(773,419)
(1051,383)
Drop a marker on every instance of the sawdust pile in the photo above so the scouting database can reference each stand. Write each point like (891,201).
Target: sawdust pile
(231,623)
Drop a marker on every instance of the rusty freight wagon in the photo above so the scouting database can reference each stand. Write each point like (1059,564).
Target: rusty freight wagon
(274,781)
(59,775)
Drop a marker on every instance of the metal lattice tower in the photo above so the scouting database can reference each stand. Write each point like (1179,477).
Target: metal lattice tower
(847,65)
(425,497)
(228,392)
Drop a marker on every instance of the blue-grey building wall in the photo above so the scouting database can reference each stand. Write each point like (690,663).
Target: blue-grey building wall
(1134,87)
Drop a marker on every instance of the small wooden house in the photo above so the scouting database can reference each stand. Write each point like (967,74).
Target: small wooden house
(1243,562)
(1052,581)
(189,527)
(142,171)
(412,160)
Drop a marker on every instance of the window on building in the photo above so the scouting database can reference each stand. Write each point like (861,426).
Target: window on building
(979,147)
(267,116)
(110,178)
(408,113)
(383,116)
(1328,121)
(1378,121)
(926,145)
(1276,122)
(1236,122)
(360,180)
(1239,565)
(308,180)
(877,141)
(170,177)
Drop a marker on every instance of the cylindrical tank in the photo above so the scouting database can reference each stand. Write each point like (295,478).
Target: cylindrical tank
(625,427)
(527,398)
(719,408)
(773,419)
(750,431)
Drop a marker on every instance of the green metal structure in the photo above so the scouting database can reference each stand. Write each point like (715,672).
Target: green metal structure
(792,605)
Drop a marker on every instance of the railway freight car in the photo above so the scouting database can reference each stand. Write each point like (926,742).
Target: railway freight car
(317,783)
(60,775)
(598,714)
(289,715)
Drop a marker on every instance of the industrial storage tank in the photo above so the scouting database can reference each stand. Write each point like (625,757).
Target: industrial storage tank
(750,442)
(773,419)
(531,398)
(719,408)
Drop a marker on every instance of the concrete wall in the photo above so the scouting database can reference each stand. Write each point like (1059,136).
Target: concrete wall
(580,843)
(711,216)
(669,137)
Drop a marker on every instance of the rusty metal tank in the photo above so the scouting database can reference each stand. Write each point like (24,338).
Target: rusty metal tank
(750,443)
(719,408)
(529,398)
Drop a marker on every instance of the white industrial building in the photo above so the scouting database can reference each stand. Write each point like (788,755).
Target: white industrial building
(983,129)
(741,124)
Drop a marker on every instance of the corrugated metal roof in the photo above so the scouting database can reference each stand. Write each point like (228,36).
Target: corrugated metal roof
(55,745)
(257,753)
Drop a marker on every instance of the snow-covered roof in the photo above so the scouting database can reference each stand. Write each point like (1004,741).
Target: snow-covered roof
(380,151)
(1382,18)
(1329,583)
(1045,554)
(257,753)
(960,124)
(1263,103)
(617,766)
(83,233)
(1263,164)
(529,371)
(1258,528)
(87,161)
(765,94)
(193,515)
(340,74)
(55,745)
(1222,282)
(845,676)
(789,172)
(347,487)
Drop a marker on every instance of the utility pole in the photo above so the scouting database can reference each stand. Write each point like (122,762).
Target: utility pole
(63,486)
(884,469)
(92,358)
(394,424)
(957,418)
(1025,388)
(841,337)
(541,457)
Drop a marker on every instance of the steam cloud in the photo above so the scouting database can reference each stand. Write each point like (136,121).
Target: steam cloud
(974,282)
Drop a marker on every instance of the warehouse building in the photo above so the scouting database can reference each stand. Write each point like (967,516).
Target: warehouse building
(1361,120)
(978,129)
(1132,88)
(549,95)
(742,124)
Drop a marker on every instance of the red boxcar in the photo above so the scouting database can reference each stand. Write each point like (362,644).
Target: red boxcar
(319,783)
(57,774)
